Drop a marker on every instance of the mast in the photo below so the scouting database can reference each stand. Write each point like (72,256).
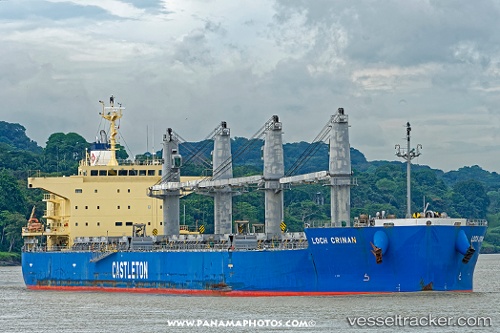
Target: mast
(274,169)
(408,155)
(340,169)
(112,114)
(222,169)
(171,173)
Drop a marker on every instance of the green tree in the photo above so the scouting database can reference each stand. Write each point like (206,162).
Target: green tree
(305,212)
(494,197)
(386,185)
(199,209)
(65,151)
(121,153)
(15,136)
(472,199)
(246,170)
(11,231)
(12,199)
(245,211)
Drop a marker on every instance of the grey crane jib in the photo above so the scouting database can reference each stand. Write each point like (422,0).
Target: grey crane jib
(273,179)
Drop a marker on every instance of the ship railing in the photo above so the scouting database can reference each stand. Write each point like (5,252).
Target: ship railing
(190,247)
(318,224)
(478,222)
(34,248)
(100,247)
(49,213)
(34,173)
(42,174)
(289,245)
(149,161)
(49,197)
(105,250)
(284,245)
(52,249)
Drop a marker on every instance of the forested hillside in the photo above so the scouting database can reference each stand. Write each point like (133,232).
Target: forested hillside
(469,192)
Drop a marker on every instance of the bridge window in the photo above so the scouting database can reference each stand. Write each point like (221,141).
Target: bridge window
(151,172)
(142,172)
(93,172)
(122,172)
(132,173)
(102,172)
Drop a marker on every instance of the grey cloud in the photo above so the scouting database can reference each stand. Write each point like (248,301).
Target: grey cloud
(17,66)
(403,32)
(193,50)
(30,10)
(152,6)
(215,27)
(434,64)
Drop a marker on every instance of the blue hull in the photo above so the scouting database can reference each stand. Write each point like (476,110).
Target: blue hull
(336,261)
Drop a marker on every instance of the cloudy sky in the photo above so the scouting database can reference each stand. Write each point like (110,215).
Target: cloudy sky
(189,64)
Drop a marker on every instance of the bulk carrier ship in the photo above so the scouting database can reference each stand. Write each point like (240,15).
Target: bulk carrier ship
(116,227)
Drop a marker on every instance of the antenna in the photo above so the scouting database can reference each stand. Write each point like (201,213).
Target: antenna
(408,155)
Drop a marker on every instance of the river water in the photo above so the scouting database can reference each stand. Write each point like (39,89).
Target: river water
(23,310)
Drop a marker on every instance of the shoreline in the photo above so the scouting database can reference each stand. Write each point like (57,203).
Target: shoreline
(9,263)
(10,259)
